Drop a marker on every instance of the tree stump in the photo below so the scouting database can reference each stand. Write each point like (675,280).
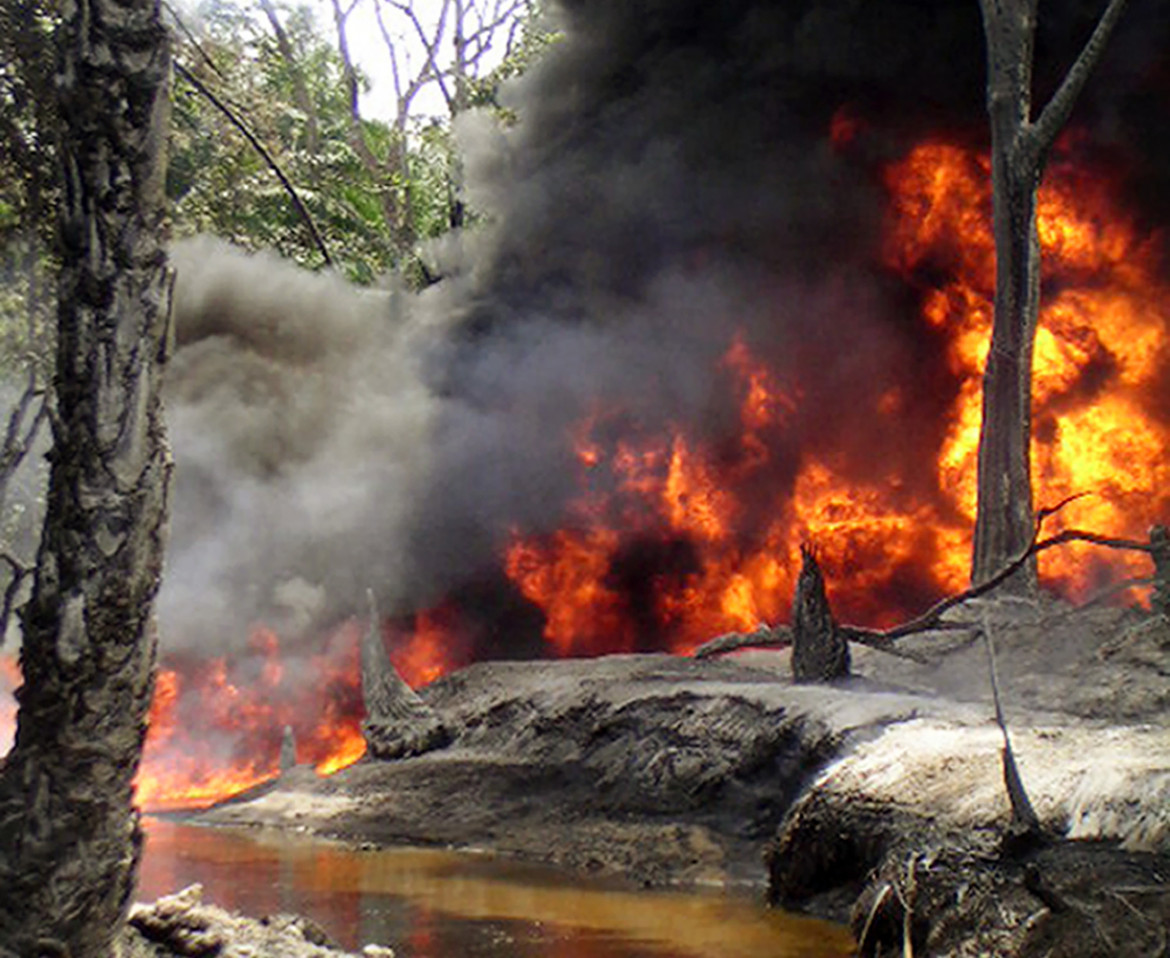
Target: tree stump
(398,722)
(1160,553)
(820,652)
(288,750)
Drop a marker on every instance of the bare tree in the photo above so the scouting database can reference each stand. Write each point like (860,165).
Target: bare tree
(69,839)
(443,46)
(1020,146)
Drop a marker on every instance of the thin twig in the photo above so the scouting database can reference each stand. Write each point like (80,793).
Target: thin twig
(878,900)
(1024,818)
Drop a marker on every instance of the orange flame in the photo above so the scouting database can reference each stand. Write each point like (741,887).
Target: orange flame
(717,564)
(10,680)
(1099,344)
(216,725)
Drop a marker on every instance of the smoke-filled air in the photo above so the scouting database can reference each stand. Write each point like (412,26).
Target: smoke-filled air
(730,291)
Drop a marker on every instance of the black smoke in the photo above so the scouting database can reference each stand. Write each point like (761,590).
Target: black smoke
(669,179)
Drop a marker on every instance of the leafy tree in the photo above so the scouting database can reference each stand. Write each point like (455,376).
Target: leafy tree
(219,183)
(373,188)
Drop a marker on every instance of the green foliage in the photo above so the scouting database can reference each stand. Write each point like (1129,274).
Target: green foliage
(373,196)
(370,215)
(28,184)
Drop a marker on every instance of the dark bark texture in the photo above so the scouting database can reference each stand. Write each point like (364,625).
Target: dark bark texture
(1160,554)
(820,652)
(69,837)
(398,722)
(1004,523)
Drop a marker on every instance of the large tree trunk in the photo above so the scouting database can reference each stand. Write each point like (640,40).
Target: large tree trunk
(69,839)
(1004,522)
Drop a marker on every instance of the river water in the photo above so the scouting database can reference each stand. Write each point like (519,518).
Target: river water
(437,904)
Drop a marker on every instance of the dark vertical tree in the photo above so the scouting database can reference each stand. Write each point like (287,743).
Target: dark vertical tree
(69,838)
(1019,150)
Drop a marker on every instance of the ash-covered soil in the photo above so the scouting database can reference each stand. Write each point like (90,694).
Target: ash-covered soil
(889,786)
(652,768)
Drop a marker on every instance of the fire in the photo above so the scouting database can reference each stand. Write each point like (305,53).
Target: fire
(216,725)
(9,682)
(676,535)
(668,552)
(669,541)
(431,647)
(1099,345)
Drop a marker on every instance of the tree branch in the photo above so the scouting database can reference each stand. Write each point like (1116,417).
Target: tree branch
(300,90)
(248,135)
(931,620)
(430,44)
(191,38)
(1055,114)
(765,637)
(395,206)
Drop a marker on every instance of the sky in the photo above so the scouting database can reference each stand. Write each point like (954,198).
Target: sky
(368,47)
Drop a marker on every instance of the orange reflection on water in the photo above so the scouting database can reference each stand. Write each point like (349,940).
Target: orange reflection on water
(420,901)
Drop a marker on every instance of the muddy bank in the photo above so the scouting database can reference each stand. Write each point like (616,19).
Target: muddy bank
(905,835)
(666,771)
(655,769)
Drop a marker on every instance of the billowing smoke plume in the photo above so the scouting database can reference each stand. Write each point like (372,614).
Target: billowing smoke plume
(301,430)
(670,180)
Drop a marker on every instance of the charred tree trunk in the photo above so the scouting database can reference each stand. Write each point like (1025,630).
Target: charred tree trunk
(69,838)
(398,722)
(1160,554)
(1004,523)
(820,652)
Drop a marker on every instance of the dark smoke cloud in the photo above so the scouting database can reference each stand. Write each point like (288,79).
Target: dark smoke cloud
(301,433)
(669,180)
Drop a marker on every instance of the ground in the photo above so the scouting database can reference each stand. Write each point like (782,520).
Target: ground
(886,788)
